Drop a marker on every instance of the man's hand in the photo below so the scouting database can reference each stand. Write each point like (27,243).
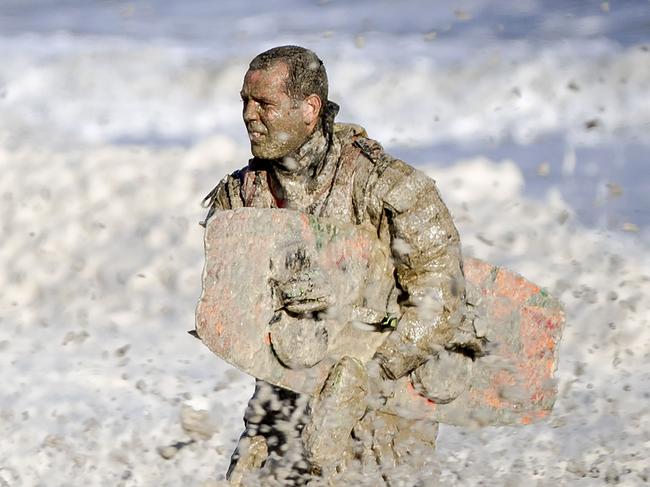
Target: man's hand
(444,377)
(306,291)
(299,338)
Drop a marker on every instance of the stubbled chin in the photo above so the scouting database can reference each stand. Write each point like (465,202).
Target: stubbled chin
(269,151)
(259,151)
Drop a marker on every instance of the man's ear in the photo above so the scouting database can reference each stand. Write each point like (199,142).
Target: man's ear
(311,109)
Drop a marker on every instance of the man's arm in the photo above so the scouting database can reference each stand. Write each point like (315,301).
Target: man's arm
(224,196)
(428,268)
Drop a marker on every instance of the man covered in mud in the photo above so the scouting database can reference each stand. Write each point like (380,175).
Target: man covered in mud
(304,161)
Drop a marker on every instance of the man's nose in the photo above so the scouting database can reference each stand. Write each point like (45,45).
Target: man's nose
(250,111)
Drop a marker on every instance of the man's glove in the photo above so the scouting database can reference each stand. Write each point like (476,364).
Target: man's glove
(444,377)
(299,339)
(298,343)
(306,291)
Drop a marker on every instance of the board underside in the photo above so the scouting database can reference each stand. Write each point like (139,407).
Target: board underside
(247,250)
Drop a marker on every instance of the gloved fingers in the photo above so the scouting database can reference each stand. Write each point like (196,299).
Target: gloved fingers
(306,291)
(443,377)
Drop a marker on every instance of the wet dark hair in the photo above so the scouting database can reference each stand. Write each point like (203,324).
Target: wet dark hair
(307,76)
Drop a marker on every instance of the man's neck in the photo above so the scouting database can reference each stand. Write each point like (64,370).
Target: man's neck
(293,176)
(304,162)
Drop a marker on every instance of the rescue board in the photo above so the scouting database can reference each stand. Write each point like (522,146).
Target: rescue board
(248,251)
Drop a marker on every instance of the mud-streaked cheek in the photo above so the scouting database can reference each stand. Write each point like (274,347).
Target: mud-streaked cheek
(271,114)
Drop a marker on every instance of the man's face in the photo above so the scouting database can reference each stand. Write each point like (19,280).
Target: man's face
(275,123)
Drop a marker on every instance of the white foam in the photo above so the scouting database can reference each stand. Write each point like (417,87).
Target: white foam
(110,90)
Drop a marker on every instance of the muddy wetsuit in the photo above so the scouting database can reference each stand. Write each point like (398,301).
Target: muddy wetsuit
(349,178)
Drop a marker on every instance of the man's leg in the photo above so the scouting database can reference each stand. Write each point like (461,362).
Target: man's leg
(270,445)
(333,414)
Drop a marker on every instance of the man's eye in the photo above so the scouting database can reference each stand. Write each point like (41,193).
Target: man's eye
(257,103)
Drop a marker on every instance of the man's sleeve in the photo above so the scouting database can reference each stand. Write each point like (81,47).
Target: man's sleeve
(428,267)
(224,196)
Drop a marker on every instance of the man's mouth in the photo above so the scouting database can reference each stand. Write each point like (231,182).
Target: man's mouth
(255,132)
(255,136)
